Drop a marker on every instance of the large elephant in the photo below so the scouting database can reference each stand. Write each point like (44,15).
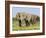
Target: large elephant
(34,19)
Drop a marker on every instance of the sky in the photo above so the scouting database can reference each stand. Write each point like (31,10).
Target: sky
(35,11)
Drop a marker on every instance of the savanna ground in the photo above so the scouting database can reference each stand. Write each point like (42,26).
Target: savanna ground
(31,27)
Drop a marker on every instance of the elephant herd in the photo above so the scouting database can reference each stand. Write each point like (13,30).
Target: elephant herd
(27,19)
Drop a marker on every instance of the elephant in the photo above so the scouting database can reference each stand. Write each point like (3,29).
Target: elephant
(34,19)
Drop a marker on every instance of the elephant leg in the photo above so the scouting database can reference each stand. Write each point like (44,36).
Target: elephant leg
(20,23)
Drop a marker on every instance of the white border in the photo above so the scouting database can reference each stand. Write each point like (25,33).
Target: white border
(26,31)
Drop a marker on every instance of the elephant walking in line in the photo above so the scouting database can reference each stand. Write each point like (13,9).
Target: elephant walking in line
(26,19)
(19,19)
(35,19)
